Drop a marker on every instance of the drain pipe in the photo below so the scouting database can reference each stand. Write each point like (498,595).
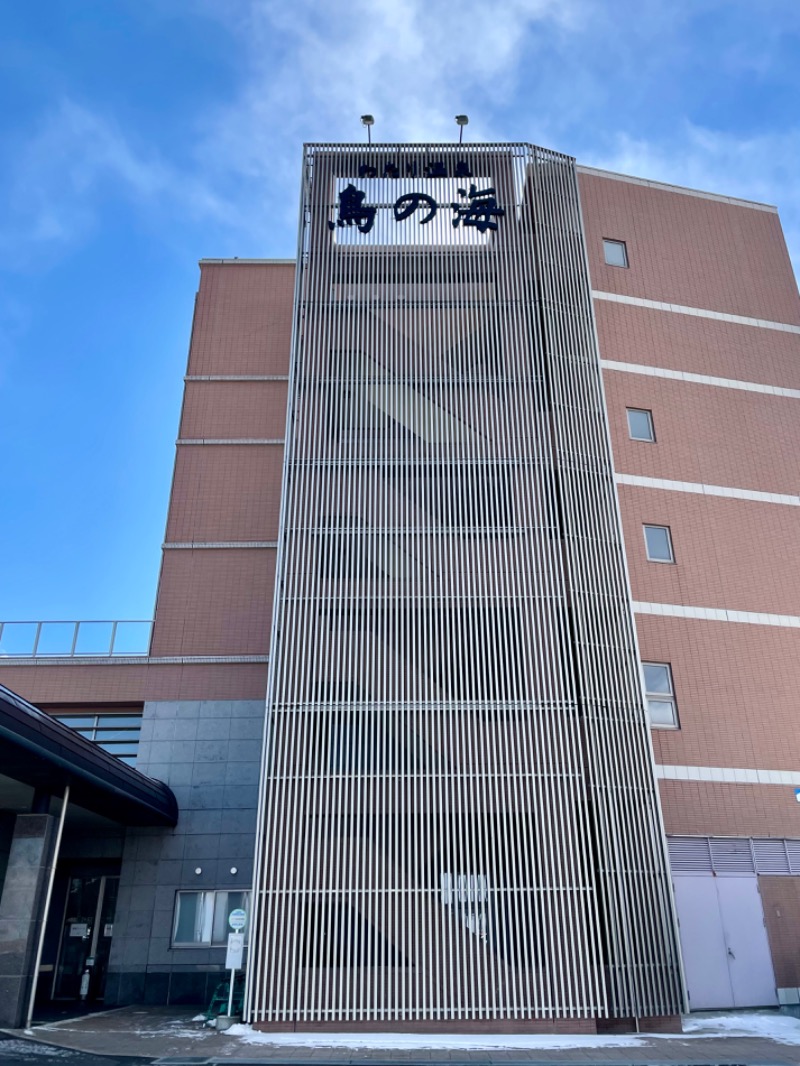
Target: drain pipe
(46,909)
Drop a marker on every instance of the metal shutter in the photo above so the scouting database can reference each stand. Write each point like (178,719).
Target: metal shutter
(732,855)
(771,857)
(689,855)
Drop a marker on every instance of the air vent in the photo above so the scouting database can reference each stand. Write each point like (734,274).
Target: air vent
(770,857)
(734,855)
(690,855)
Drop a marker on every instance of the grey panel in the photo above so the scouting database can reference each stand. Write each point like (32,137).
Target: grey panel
(190,749)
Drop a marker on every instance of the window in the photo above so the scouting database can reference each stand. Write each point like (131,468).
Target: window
(117,734)
(661,705)
(616,253)
(201,918)
(658,542)
(640,424)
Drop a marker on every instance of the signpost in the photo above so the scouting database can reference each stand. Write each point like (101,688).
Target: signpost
(237,920)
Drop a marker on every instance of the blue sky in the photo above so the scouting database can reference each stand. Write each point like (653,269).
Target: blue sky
(141,135)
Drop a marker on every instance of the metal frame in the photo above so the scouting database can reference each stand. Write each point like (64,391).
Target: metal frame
(661,697)
(73,641)
(655,558)
(458,815)
(641,411)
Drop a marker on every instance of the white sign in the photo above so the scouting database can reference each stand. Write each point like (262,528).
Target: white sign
(233,960)
(237,919)
(108,929)
(79,929)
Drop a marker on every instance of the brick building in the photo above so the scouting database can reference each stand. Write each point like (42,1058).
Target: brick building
(515,876)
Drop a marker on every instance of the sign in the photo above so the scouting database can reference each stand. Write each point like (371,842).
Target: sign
(237,919)
(434,168)
(797,794)
(108,929)
(233,960)
(79,929)
(475,207)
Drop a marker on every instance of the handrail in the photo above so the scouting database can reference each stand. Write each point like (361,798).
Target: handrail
(75,639)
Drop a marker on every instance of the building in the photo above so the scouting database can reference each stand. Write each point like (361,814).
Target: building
(394,483)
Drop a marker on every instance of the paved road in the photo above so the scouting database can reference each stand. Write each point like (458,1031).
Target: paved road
(29,1053)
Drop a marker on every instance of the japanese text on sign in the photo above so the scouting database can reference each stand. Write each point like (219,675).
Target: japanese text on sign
(476,207)
(435,169)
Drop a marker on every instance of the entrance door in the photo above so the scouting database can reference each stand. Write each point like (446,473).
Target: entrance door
(724,941)
(86,937)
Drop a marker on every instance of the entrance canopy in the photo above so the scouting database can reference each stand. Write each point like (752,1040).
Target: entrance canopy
(38,752)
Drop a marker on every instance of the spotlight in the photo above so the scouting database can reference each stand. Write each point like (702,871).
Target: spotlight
(369,122)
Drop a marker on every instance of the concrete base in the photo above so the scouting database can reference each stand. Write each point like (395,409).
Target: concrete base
(664,1023)
(555,1026)
(584,1026)
(225,1021)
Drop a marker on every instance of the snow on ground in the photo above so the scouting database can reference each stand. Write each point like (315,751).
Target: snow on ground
(28,1049)
(779,1027)
(429,1041)
(764,1024)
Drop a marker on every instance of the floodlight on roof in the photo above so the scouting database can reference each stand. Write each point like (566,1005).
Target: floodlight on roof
(368,121)
(461,122)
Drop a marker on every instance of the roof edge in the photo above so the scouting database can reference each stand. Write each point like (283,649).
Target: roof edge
(96,775)
(684,190)
(235,261)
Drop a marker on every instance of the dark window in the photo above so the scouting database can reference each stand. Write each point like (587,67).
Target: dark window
(202,917)
(118,734)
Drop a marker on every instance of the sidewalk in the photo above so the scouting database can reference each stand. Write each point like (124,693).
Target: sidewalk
(766,1038)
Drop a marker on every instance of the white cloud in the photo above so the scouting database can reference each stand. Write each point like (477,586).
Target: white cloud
(311,70)
(307,70)
(75,156)
(403,60)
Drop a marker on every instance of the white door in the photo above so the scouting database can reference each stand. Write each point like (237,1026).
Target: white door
(724,942)
(749,958)
(703,942)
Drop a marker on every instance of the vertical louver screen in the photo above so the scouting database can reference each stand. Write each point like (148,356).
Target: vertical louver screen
(459,816)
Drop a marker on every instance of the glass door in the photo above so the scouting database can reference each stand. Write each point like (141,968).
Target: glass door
(86,937)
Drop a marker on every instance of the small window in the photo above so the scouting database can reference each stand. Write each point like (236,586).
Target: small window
(658,542)
(616,253)
(118,734)
(640,424)
(661,705)
(201,918)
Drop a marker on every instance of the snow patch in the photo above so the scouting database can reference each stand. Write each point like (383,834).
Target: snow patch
(429,1041)
(172,1030)
(29,1049)
(765,1024)
(769,1025)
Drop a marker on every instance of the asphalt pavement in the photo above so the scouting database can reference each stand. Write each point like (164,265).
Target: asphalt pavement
(15,1051)
(174,1036)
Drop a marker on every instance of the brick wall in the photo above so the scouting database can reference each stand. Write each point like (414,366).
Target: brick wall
(243,319)
(82,683)
(780,897)
(709,435)
(689,250)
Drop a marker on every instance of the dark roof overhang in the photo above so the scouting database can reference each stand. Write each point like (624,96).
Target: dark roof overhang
(46,754)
